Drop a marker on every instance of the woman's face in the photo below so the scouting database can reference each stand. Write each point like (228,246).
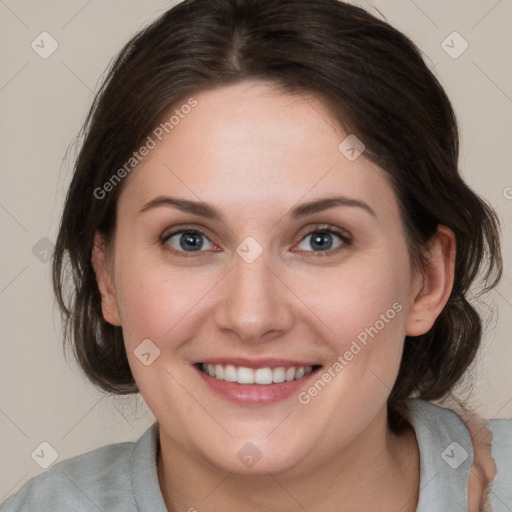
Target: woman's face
(278,284)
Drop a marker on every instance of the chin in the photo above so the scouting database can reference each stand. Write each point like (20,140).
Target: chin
(255,456)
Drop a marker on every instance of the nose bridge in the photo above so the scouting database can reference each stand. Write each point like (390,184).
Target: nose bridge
(253,302)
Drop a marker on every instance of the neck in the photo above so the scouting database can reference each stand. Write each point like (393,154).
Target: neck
(378,471)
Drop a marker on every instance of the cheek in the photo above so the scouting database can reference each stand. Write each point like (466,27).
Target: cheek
(354,297)
(156,304)
(358,306)
(364,307)
(154,300)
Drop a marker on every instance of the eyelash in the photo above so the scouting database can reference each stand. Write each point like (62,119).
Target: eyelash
(324,229)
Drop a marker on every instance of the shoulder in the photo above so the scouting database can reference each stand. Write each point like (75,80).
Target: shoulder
(481,448)
(500,490)
(92,481)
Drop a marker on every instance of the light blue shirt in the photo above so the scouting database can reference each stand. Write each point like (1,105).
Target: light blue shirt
(123,477)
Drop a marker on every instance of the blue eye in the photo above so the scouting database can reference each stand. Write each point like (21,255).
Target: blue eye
(187,240)
(321,240)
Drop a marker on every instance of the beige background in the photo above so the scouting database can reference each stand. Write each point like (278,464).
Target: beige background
(44,102)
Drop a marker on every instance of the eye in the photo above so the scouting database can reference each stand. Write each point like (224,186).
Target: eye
(187,241)
(321,240)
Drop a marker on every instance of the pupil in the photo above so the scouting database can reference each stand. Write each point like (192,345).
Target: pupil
(194,239)
(321,240)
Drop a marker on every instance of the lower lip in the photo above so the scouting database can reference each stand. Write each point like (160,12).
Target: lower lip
(255,394)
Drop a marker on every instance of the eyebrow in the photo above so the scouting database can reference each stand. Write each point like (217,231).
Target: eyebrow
(210,212)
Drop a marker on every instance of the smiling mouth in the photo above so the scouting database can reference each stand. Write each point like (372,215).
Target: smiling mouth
(264,376)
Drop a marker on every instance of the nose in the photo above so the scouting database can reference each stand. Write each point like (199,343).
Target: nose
(257,304)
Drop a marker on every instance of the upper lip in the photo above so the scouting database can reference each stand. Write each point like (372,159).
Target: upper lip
(267,362)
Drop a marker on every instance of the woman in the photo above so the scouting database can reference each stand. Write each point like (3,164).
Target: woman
(269,239)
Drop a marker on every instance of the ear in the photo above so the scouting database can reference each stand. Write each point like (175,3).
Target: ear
(435,283)
(101,265)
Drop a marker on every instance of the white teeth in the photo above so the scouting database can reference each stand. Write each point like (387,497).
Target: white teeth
(245,375)
(219,371)
(290,374)
(278,375)
(230,373)
(262,376)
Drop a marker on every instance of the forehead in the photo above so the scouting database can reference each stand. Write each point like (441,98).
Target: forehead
(249,145)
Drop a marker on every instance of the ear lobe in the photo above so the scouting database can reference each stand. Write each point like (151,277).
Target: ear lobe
(436,285)
(104,279)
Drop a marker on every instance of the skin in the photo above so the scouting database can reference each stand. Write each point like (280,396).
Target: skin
(254,153)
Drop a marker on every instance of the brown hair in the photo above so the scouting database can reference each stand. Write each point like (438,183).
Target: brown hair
(376,84)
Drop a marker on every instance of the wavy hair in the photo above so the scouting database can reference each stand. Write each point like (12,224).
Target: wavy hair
(377,85)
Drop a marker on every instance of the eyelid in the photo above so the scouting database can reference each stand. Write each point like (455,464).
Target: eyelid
(184,229)
(343,234)
(329,228)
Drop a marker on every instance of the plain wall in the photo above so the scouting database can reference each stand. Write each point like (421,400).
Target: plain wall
(44,102)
